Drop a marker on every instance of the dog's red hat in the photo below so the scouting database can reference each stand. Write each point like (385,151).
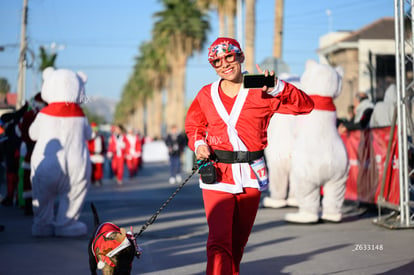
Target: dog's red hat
(107,247)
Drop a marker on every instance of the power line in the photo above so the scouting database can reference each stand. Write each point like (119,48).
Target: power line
(339,8)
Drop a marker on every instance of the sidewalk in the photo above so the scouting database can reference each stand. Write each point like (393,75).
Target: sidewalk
(175,243)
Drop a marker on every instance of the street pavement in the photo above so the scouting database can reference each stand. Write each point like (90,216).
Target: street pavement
(175,242)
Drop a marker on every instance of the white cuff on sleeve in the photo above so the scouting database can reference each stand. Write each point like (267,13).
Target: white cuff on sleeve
(280,85)
(198,143)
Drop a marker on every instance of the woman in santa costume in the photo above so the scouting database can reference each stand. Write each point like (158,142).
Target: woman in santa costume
(117,152)
(133,152)
(96,147)
(228,123)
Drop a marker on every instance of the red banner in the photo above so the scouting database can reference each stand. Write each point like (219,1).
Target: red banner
(367,150)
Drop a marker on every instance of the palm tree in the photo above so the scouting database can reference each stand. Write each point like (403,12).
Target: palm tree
(226,11)
(230,9)
(46,59)
(156,70)
(278,29)
(4,89)
(184,26)
(219,6)
(126,106)
(141,103)
(250,35)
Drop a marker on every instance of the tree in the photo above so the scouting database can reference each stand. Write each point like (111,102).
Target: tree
(141,103)
(278,29)
(46,59)
(226,11)
(4,89)
(4,86)
(154,69)
(184,26)
(250,34)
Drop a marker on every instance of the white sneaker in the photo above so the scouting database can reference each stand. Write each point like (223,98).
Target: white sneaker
(292,202)
(332,217)
(178,178)
(171,180)
(301,217)
(268,202)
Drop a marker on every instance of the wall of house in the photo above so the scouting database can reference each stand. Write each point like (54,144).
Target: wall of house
(348,60)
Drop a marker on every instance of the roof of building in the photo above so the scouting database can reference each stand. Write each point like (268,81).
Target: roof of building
(382,28)
(11,99)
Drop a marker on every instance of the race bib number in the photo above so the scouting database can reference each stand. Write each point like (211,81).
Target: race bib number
(260,170)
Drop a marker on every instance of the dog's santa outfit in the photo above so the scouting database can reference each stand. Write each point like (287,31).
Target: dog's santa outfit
(60,163)
(104,247)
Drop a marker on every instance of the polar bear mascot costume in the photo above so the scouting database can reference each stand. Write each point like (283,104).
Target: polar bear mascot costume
(281,134)
(60,164)
(319,156)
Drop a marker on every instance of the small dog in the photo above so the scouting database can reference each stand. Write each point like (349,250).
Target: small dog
(111,248)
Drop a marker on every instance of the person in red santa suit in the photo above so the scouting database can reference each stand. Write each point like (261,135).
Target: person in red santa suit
(133,152)
(96,147)
(228,123)
(117,152)
(36,104)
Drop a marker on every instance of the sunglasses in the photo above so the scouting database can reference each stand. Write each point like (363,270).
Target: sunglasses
(218,62)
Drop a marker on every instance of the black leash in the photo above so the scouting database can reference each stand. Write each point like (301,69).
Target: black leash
(154,217)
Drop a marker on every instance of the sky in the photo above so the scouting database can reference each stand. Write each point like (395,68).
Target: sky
(102,37)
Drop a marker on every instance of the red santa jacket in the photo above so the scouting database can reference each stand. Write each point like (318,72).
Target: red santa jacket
(96,148)
(133,146)
(243,129)
(117,146)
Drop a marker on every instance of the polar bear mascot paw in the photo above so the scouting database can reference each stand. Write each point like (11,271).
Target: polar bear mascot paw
(319,157)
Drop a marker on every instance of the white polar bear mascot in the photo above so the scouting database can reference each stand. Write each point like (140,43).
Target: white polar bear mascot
(319,157)
(60,162)
(281,134)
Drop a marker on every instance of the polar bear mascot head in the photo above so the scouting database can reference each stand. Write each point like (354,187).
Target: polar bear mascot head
(319,158)
(63,85)
(321,79)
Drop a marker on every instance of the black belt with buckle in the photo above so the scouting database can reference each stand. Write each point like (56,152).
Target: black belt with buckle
(237,156)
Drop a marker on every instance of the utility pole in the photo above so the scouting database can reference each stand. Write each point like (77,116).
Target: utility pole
(22,59)
(278,35)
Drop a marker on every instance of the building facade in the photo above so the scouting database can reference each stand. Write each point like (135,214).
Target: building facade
(367,56)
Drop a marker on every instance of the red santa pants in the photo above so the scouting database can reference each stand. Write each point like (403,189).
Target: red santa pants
(132,164)
(97,171)
(118,167)
(230,219)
